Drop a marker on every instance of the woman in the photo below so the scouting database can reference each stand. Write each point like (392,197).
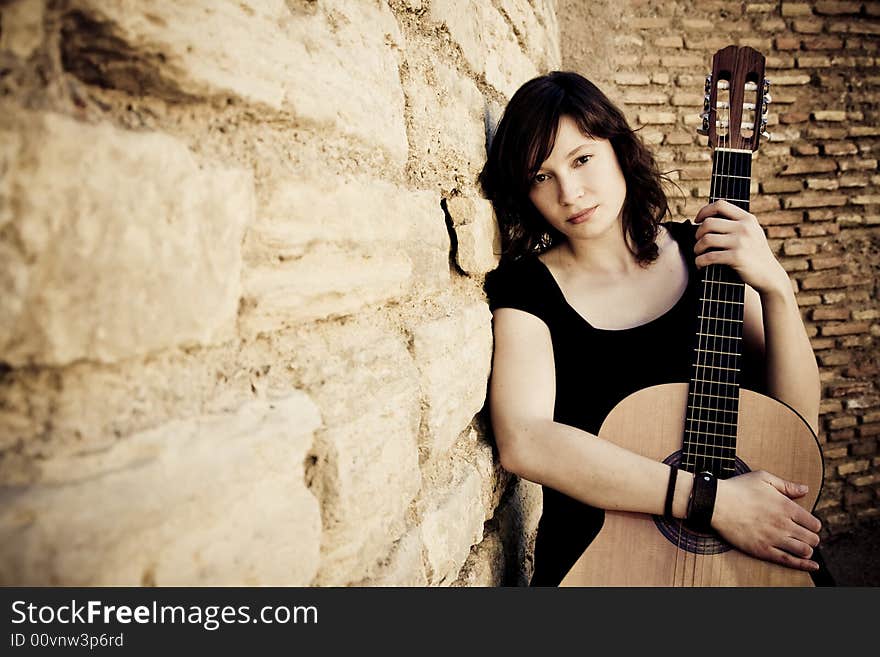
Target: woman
(593,300)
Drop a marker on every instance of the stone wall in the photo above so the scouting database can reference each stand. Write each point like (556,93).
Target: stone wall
(816,186)
(243,338)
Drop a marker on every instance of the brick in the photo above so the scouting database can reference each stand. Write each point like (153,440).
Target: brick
(794,117)
(825,281)
(649,23)
(691,24)
(793,247)
(857,165)
(830,115)
(854,466)
(777,218)
(807,26)
(830,313)
(824,184)
(805,149)
(794,79)
(760,8)
(659,77)
(842,434)
(639,97)
(814,230)
(780,232)
(669,42)
(794,264)
(844,422)
(813,62)
(632,79)
(865,199)
(682,61)
(844,328)
(864,447)
(808,165)
(826,263)
(869,430)
(823,43)
(864,131)
(819,344)
(813,200)
(824,132)
(867,314)
(787,43)
(777,185)
(835,452)
(656,118)
(853,180)
(837,8)
(864,27)
(796,9)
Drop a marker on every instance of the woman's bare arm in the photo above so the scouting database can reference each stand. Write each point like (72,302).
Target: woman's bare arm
(597,472)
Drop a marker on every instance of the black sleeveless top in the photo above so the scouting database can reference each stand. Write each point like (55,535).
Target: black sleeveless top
(596,369)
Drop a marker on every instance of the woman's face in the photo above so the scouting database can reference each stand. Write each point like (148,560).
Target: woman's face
(582,177)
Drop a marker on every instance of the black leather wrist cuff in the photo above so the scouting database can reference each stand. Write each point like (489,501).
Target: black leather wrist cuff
(702,502)
(670,492)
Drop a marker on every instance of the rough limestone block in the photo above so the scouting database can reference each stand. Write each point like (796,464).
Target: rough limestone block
(22,31)
(331,248)
(213,500)
(487,42)
(479,241)
(403,566)
(452,523)
(332,66)
(447,131)
(537,25)
(454,355)
(115,243)
(518,519)
(485,564)
(367,468)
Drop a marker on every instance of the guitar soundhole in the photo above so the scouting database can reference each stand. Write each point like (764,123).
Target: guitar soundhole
(686,538)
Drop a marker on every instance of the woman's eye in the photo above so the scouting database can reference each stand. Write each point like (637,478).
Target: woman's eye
(539,178)
(585,158)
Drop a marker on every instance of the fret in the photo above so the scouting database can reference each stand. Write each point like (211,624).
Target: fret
(710,456)
(742,285)
(721,319)
(730,424)
(713,335)
(714,367)
(709,433)
(714,410)
(728,175)
(733,303)
(744,151)
(717,383)
(712,199)
(711,351)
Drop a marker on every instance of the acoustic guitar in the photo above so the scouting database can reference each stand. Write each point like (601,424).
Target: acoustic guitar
(711,423)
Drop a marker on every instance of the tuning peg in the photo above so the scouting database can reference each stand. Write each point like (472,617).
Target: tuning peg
(704,128)
(767,99)
(708,83)
(766,85)
(765,135)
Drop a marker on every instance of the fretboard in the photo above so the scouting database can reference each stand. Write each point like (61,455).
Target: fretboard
(713,395)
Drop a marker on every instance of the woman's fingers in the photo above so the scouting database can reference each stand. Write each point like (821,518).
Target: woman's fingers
(723,208)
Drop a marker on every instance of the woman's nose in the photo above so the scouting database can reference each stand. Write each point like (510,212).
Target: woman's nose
(570,189)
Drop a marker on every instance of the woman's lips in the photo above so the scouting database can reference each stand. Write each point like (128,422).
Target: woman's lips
(583,216)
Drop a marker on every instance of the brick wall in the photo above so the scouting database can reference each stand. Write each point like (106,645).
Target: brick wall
(243,337)
(816,186)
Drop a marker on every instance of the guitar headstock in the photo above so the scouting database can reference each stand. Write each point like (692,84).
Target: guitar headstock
(736,100)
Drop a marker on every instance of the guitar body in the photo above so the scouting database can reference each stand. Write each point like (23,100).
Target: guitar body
(635,549)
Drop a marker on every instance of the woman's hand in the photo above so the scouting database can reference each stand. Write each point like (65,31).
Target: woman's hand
(728,235)
(755,513)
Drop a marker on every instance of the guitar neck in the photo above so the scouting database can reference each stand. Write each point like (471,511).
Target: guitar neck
(713,399)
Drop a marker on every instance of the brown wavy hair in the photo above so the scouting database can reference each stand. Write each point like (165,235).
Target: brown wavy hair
(524,138)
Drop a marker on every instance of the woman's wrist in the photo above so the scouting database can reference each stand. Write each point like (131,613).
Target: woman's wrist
(683,486)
